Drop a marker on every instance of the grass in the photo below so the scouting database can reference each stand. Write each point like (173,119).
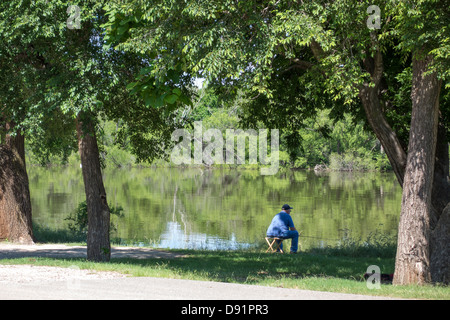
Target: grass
(312,270)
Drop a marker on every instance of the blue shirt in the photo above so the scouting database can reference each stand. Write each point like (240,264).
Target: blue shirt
(280,225)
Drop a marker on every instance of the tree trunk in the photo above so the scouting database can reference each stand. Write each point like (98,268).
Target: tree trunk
(98,243)
(15,201)
(412,264)
(440,222)
(441,183)
(440,249)
(368,93)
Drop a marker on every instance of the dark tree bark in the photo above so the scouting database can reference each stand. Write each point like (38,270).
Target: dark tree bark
(412,264)
(440,252)
(440,220)
(98,242)
(15,201)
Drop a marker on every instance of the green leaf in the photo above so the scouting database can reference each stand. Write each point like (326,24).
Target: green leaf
(131,85)
(171,98)
(177,91)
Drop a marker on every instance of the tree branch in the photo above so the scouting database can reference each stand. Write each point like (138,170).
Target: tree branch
(378,61)
(317,50)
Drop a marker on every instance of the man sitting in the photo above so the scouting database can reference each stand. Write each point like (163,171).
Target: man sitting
(282,226)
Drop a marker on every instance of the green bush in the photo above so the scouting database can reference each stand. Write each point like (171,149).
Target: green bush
(78,219)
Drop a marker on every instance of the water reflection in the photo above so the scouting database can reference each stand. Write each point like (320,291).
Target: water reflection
(221,208)
(174,237)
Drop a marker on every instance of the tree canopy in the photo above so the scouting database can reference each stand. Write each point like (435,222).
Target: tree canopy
(292,58)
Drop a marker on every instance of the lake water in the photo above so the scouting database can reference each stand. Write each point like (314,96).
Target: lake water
(224,208)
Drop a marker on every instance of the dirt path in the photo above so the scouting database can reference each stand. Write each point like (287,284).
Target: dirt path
(12,251)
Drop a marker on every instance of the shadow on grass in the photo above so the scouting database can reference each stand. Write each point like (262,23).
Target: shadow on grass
(252,268)
(348,262)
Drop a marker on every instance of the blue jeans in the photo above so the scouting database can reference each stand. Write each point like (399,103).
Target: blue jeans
(294,242)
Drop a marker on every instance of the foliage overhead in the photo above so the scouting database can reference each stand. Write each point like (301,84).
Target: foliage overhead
(290,58)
